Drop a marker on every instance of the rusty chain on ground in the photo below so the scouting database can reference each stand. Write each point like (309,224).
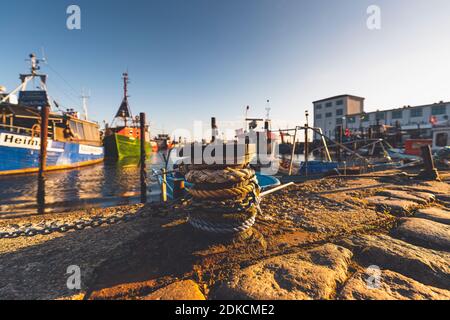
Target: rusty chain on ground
(95,222)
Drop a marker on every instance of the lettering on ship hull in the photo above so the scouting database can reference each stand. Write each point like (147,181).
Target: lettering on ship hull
(19,141)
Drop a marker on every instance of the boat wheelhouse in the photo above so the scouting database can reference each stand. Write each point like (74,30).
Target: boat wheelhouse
(164,142)
(441,135)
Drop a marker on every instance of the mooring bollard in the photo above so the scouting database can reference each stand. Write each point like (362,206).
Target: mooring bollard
(214,129)
(306,147)
(306,150)
(164,185)
(225,193)
(41,195)
(143,158)
(45,110)
(430,172)
(291,163)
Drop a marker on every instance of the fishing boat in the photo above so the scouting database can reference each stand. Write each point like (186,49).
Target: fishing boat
(163,142)
(399,154)
(72,141)
(124,140)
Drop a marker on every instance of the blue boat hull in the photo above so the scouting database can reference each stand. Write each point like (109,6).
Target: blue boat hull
(20,154)
(265,182)
(318,167)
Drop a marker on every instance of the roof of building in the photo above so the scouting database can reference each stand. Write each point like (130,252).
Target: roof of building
(411,107)
(340,96)
(407,107)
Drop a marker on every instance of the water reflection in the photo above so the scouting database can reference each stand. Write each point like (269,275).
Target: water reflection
(41,194)
(105,184)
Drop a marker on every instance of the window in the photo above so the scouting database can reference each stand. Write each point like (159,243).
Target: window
(77,130)
(351,120)
(318,116)
(80,130)
(318,106)
(339,121)
(328,105)
(417,112)
(397,114)
(339,112)
(380,116)
(441,139)
(329,114)
(340,102)
(438,110)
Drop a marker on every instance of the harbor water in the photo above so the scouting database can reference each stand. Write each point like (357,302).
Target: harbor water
(109,183)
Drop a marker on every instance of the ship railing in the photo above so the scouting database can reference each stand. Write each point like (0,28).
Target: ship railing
(96,143)
(15,129)
(22,130)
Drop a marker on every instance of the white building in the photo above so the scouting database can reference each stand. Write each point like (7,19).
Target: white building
(330,112)
(408,118)
(328,116)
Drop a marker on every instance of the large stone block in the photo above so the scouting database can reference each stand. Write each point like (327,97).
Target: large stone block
(427,266)
(430,234)
(309,275)
(391,286)
(435,214)
(393,205)
(181,290)
(417,197)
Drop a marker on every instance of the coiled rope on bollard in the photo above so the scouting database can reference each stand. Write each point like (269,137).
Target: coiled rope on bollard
(227,175)
(225,200)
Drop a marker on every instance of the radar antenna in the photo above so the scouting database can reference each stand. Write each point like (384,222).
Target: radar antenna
(268,109)
(84,97)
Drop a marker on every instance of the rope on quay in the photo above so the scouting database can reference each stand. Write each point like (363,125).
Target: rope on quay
(225,199)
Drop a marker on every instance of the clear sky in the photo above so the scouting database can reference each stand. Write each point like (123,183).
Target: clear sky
(192,59)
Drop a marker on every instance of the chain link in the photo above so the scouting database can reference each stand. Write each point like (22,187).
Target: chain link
(95,222)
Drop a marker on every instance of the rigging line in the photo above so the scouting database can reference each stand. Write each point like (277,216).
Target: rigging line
(62,78)
(61,90)
(64,92)
(55,103)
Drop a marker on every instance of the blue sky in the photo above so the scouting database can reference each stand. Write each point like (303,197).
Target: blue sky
(192,59)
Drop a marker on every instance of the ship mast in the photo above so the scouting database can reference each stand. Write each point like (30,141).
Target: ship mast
(125,85)
(124,111)
(125,95)
(84,99)
(25,78)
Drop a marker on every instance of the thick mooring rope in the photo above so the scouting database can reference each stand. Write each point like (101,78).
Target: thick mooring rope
(227,175)
(229,193)
(221,228)
(225,200)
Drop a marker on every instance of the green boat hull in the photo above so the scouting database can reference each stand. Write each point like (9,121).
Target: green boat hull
(118,146)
